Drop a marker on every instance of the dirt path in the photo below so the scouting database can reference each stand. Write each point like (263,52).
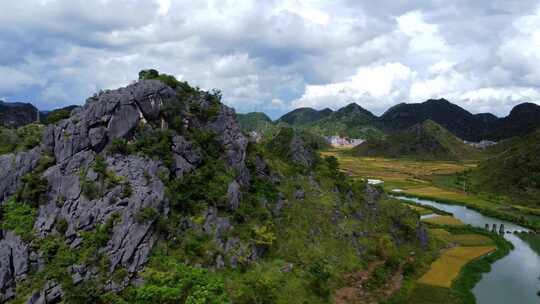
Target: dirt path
(356,293)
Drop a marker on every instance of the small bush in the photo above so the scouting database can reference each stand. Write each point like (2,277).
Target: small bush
(146,215)
(29,136)
(264,235)
(148,74)
(208,143)
(89,189)
(155,144)
(127,190)
(85,292)
(207,186)
(120,146)
(33,190)
(100,166)
(62,225)
(119,275)
(320,275)
(19,218)
(58,115)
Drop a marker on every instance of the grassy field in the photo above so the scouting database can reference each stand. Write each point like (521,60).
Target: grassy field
(445,269)
(461,239)
(443,220)
(407,172)
(429,294)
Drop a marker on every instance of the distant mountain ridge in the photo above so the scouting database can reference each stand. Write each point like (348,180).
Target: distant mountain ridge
(523,119)
(17,114)
(302,116)
(350,121)
(357,122)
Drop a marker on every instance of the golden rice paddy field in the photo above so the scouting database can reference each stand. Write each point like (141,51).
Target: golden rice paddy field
(447,267)
(393,170)
(443,220)
(420,210)
(417,178)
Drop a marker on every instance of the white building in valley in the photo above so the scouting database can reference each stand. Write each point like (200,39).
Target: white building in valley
(343,142)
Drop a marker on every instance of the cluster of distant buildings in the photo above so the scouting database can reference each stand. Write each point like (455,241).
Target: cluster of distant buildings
(343,142)
(483,144)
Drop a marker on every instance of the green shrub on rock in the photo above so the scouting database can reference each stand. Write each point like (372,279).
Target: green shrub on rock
(33,190)
(146,215)
(19,218)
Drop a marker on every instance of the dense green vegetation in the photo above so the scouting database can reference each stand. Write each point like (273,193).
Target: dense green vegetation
(57,115)
(426,141)
(21,139)
(18,217)
(514,172)
(316,259)
(255,121)
(533,240)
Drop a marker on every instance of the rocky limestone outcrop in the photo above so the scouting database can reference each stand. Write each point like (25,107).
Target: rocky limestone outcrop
(13,263)
(112,114)
(75,143)
(13,168)
(300,153)
(234,143)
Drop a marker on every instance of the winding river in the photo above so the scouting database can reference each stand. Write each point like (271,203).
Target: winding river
(512,279)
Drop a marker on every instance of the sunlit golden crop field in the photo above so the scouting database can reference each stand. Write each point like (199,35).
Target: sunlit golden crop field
(446,268)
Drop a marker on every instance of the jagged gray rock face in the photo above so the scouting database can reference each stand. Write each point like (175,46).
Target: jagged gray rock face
(300,153)
(113,114)
(234,143)
(75,144)
(13,168)
(372,196)
(51,293)
(186,156)
(422,234)
(234,195)
(13,263)
(131,240)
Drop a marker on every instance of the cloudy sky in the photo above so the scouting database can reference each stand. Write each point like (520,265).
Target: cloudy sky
(273,56)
